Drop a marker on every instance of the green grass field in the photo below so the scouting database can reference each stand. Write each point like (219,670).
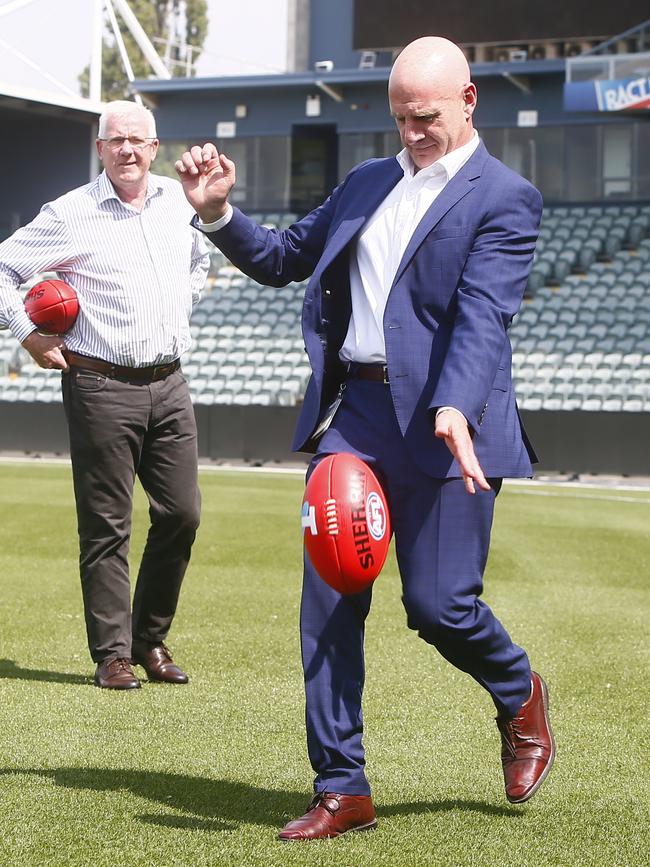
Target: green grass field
(206,774)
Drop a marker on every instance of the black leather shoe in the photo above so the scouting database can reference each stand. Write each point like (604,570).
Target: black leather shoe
(116,673)
(157,662)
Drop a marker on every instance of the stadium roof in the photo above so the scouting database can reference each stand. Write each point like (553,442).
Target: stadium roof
(333,77)
(45,102)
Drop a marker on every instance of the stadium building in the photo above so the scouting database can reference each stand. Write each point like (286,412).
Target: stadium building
(564,97)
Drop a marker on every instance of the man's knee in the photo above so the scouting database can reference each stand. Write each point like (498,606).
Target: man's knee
(182,517)
(442,617)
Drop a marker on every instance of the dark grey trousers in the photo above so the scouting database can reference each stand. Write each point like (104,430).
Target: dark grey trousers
(120,430)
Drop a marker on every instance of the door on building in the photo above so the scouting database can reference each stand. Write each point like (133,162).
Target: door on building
(314,163)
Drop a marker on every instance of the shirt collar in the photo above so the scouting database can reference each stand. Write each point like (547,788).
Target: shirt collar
(107,190)
(450,163)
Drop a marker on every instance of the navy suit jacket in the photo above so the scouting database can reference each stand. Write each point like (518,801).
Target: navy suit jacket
(459,284)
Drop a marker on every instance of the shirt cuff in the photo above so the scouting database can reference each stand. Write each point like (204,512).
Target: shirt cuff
(21,326)
(452,408)
(217,224)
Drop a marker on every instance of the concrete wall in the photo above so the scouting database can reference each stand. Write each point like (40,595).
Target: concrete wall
(591,442)
(579,442)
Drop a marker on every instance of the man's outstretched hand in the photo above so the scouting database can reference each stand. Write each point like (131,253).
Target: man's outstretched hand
(451,426)
(207,178)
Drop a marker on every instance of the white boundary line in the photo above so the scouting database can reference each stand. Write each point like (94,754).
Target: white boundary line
(529,487)
(226,468)
(562,492)
(617,486)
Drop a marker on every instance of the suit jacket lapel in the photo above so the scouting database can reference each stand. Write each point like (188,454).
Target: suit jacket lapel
(378,181)
(458,187)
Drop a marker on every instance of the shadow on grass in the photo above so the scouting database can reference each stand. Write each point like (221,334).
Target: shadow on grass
(203,804)
(220,805)
(9,670)
(448,806)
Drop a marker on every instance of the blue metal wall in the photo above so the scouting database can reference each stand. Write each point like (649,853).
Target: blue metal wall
(330,33)
(41,157)
(190,109)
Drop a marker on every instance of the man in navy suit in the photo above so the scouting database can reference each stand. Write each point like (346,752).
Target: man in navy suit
(416,267)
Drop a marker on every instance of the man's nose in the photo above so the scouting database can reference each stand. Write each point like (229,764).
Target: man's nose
(412,133)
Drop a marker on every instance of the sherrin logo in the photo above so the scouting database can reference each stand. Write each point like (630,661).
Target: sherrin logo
(308,518)
(375,516)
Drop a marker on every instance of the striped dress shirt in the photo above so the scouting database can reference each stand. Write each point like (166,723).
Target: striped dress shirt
(137,274)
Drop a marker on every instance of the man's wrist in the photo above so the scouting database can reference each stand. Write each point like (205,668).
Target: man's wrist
(450,409)
(21,326)
(213,222)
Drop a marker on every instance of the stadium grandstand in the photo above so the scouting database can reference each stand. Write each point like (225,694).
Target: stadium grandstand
(565,103)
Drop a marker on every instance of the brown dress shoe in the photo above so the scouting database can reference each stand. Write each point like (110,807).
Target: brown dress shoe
(157,662)
(330,815)
(116,673)
(527,745)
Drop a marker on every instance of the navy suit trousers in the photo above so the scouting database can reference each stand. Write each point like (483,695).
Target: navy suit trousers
(442,537)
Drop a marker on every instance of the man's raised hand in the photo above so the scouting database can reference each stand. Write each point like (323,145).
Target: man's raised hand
(207,177)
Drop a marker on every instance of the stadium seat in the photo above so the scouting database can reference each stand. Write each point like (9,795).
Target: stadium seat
(569,341)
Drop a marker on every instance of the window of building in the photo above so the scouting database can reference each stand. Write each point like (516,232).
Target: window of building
(356,147)
(617,161)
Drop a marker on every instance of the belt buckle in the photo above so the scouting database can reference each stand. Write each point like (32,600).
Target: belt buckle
(384,370)
(160,371)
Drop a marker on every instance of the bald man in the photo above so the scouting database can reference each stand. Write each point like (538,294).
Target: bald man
(416,266)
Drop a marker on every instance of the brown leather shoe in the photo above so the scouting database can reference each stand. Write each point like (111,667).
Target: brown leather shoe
(527,745)
(330,815)
(157,662)
(116,673)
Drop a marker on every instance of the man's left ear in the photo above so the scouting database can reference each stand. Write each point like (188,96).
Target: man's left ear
(469,99)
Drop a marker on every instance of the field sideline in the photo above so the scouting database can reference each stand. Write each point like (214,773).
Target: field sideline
(206,774)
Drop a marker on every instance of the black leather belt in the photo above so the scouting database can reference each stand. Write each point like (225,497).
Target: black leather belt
(372,372)
(117,371)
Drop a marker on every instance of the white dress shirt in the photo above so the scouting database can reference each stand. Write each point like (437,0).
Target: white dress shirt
(381,244)
(137,273)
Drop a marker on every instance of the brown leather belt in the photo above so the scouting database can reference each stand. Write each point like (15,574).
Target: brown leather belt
(372,372)
(117,371)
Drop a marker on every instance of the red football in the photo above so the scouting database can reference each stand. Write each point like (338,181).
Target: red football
(52,305)
(346,523)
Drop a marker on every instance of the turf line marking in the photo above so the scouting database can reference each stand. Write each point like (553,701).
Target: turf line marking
(574,496)
(212,468)
(515,486)
(603,486)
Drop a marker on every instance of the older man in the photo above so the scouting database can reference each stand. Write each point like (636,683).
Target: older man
(417,266)
(124,242)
